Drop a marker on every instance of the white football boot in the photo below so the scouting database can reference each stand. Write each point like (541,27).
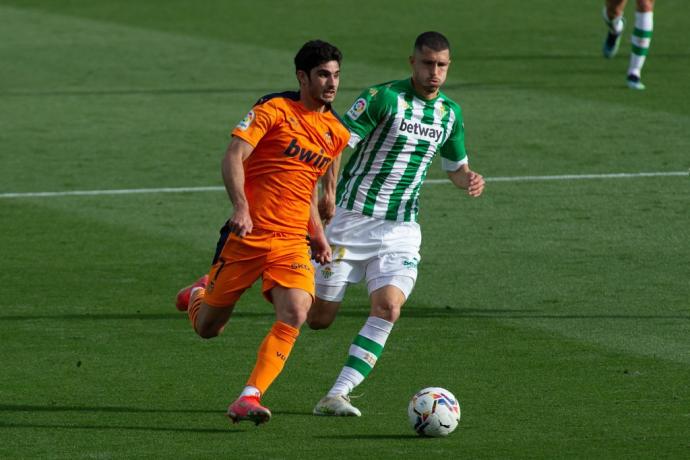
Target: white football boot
(634,82)
(336,405)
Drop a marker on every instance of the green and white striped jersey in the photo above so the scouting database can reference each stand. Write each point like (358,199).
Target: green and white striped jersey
(396,135)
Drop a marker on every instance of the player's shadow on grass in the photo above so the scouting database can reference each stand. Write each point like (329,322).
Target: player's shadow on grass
(115,409)
(96,316)
(107,409)
(305,413)
(118,428)
(174,316)
(371,436)
(355,311)
(503,313)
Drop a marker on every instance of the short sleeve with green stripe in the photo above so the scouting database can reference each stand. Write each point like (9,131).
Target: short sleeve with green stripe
(453,150)
(396,134)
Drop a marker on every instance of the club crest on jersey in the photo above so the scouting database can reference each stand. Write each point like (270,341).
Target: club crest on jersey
(441,111)
(357,108)
(329,138)
(246,121)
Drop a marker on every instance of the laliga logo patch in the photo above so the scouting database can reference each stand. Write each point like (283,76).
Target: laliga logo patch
(246,121)
(357,108)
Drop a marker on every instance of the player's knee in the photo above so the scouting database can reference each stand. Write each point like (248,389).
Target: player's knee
(294,316)
(386,309)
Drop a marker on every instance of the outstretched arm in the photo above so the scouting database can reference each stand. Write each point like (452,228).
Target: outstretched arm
(467,179)
(240,223)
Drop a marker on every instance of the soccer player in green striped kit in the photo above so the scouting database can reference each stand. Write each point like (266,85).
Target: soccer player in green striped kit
(641,36)
(397,128)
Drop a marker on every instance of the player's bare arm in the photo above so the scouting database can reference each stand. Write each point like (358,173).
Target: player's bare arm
(327,200)
(320,249)
(240,223)
(467,179)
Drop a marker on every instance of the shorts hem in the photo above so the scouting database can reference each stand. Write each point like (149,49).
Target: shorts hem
(266,292)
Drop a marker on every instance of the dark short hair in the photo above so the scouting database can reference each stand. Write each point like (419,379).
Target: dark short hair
(314,53)
(433,40)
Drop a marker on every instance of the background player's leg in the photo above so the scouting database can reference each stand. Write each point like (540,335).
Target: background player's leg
(614,8)
(613,16)
(641,39)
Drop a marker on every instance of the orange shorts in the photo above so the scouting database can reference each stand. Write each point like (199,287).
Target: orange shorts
(278,258)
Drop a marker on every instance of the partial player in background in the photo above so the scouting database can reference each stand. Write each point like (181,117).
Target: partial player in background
(276,155)
(641,36)
(397,129)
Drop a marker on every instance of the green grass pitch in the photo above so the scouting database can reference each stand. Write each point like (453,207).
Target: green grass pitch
(557,311)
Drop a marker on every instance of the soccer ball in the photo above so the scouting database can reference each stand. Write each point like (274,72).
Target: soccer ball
(434,412)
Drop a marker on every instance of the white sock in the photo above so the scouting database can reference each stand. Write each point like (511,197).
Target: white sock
(641,39)
(363,354)
(616,24)
(250,391)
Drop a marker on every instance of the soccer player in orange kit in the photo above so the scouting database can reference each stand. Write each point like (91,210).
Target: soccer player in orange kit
(270,170)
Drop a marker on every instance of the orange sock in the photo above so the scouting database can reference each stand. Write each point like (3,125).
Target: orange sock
(195,304)
(273,353)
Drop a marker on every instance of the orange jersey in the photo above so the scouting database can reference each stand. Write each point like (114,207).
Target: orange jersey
(293,147)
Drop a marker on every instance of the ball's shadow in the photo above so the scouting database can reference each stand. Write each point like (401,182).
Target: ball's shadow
(372,436)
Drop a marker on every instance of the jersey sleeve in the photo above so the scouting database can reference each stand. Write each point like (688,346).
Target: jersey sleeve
(364,115)
(453,152)
(260,119)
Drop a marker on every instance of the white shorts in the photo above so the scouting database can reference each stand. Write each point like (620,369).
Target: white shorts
(384,252)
